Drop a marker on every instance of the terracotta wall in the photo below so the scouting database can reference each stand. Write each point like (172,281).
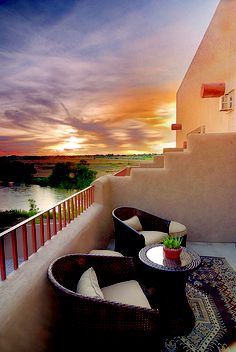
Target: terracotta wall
(214,62)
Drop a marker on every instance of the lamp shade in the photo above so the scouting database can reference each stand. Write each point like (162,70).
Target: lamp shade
(212,90)
(176,126)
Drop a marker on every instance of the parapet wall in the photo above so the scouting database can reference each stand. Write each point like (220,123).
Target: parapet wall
(196,188)
(29,309)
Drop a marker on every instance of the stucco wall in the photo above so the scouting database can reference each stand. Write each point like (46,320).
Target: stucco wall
(158,161)
(214,62)
(196,187)
(27,302)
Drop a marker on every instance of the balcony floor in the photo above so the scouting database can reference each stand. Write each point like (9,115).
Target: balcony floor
(226,250)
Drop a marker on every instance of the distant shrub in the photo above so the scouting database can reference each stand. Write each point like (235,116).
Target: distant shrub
(41,181)
(33,207)
(70,176)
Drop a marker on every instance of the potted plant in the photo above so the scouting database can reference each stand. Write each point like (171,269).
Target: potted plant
(172,246)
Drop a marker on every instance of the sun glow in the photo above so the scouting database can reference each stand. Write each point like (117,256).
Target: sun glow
(70,144)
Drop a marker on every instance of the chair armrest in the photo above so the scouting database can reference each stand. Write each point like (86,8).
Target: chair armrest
(152,222)
(128,241)
(65,272)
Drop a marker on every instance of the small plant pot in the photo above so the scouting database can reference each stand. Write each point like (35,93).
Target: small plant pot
(172,253)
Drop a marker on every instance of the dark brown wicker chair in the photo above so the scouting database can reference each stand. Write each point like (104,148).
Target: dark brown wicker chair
(96,318)
(128,241)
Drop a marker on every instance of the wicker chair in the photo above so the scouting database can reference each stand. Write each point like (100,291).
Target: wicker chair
(129,240)
(98,319)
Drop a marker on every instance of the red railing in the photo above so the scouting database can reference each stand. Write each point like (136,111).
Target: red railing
(123,172)
(25,238)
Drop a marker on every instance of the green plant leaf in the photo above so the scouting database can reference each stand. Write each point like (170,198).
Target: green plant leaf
(173,242)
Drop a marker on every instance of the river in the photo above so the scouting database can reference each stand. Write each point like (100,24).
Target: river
(16,197)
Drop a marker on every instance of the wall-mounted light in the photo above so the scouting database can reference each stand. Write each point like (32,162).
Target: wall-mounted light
(176,126)
(212,90)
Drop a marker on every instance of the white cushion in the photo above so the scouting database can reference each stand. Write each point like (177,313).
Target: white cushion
(127,292)
(152,237)
(105,252)
(134,223)
(88,284)
(176,228)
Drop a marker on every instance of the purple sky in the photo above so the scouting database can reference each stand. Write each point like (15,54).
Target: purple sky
(94,76)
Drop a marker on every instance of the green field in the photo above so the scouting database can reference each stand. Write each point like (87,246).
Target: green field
(103,164)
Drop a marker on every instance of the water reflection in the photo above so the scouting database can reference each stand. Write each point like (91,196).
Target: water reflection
(16,197)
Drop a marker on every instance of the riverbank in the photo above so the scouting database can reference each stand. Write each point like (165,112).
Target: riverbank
(16,196)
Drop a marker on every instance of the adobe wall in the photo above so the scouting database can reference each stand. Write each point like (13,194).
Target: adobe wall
(158,161)
(214,62)
(196,187)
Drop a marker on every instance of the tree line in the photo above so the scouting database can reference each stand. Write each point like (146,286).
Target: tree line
(16,171)
(71,176)
(64,175)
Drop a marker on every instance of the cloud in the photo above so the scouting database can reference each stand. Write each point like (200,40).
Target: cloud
(100,71)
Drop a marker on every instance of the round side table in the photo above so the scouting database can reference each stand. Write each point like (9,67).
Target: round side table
(170,276)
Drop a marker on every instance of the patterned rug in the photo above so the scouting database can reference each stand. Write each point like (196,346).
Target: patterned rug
(211,292)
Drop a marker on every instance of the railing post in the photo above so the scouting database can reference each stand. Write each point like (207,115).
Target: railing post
(25,242)
(64,213)
(79,203)
(91,195)
(68,210)
(34,240)
(14,249)
(87,198)
(83,200)
(2,259)
(72,208)
(41,230)
(54,219)
(48,225)
(59,217)
(76,205)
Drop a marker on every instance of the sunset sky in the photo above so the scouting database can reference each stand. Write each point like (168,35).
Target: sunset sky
(94,76)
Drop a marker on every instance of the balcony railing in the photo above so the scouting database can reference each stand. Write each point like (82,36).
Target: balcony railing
(123,172)
(20,241)
(199,130)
